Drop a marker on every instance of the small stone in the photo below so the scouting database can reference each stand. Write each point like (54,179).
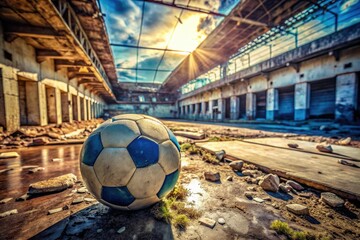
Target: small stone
(229,178)
(324,148)
(267,198)
(34,170)
(8,213)
(77,200)
(305,195)
(276,206)
(9,155)
(99,230)
(249,195)
(207,222)
(344,162)
(82,190)
(5,200)
(221,221)
(330,215)
(57,159)
(259,200)
(285,188)
(220,155)
(270,183)
(22,198)
(55,210)
(39,141)
(211,176)
(297,209)
(250,173)
(295,185)
(251,189)
(121,230)
(345,141)
(90,199)
(293,145)
(53,184)
(236,165)
(332,199)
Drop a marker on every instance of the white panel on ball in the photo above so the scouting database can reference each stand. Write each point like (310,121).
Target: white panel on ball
(153,130)
(147,181)
(119,133)
(114,167)
(91,181)
(169,157)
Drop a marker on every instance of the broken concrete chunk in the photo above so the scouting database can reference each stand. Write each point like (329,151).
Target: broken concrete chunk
(249,195)
(221,221)
(9,155)
(29,166)
(82,190)
(39,141)
(211,176)
(285,188)
(55,210)
(8,213)
(295,185)
(297,209)
(229,178)
(53,184)
(236,165)
(344,162)
(332,199)
(305,195)
(90,199)
(220,155)
(57,159)
(259,200)
(77,200)
(6,170)
(270,182)
(207,222)
(192,135)
(23,197)
(345,141)
(293,145)
(251,173)
(34,170)
(5,200)
(324,148)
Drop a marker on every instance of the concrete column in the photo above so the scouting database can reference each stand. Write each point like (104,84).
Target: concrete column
(53,100)
(196,115)
(203,110)
(89,109)
(36,103)
(221,107)
(250,106)
(71,112)
(234,107)
(211,112)
(302,100)
(9,99)
(346,86)
(65,107)
(272,103)
(84,115)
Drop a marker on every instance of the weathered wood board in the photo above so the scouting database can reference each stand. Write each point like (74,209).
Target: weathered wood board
(315,170)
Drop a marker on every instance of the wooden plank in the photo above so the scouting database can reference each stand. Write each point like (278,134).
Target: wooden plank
(343,152)
(317,171)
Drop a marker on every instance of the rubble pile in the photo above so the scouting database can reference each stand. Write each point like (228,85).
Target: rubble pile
(38,136)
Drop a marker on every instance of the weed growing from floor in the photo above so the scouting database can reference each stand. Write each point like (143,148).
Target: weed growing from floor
(283,228)
(185,146)
(209,157)
(171,209)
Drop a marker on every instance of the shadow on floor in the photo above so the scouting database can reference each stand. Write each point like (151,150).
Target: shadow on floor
(101,222)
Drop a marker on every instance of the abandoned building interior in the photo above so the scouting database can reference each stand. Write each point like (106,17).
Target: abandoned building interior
(254,91)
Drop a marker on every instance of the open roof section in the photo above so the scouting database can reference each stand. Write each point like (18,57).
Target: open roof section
(151,38)
(247,21)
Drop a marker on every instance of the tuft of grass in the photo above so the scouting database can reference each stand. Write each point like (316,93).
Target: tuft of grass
(185,146)
(193,150)
(178,193)
(181,221)
(284,229)
(209,158)
(161,211)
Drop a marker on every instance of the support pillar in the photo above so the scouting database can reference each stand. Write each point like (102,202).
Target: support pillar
(302,100)
(9,99)
(250,106)
(272,103)
(65,107)
(84,108)
(221,107)
(196,110)
(211,111)
(234,107)
(203,110)
(346,86)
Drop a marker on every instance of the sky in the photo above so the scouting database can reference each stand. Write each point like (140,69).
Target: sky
(161,28)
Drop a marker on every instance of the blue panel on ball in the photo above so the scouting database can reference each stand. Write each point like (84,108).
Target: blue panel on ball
(143,151)
(91,149)
(173,138)
(117,195)
(169,184)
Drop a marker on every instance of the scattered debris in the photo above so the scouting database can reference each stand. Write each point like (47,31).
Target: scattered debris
(23,197)
(56,210)
(8,213)
(34,170)
(229,178)
(297,209)
(251,173)
(39,141)
(285,188)
(236,165)
(344,162)
(221,221)
(121,230)
(5,200)
(9,155)
(82,190)
(211,176)
(29,167)
(324,148)
(192,135)
(77,200)
(344,141)
(251,188)
(220,155)
(207,222)
(306,194)
(88,200)
(53,184)
(293,145)
(57,159)
(249,195)
(332,199)
(295,185)
(270,183)
(259,200)
(6,170)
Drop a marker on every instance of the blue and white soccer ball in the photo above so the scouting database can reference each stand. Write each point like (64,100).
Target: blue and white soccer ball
(130,161)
